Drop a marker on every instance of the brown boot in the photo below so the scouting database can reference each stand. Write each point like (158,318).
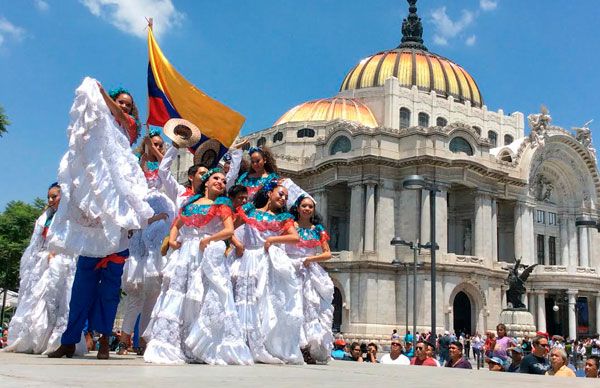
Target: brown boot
(63,350)
(103,351)
(89,342)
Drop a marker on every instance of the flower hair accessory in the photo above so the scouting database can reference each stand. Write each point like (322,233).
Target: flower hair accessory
(154,132)
(113,93)
(270,186)
(227,158)
(210,172)
(252,150)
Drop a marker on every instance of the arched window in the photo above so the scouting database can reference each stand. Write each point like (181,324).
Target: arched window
(477,129)
(508,139)
(423,119)
(404,118)
(261,142)
(305,132)
(505,156)
(278,137)
(493,138)
(340,145)
(460,145)
(441,122)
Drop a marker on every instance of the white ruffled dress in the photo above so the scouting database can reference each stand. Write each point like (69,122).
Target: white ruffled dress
(194,319)
(317,293)
(145,263)
(44,294)
(267,293)
(103,187)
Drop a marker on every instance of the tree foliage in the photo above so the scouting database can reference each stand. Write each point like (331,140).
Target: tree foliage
(16,227)
(4,123)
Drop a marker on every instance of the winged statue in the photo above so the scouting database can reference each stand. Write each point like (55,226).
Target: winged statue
(516,283)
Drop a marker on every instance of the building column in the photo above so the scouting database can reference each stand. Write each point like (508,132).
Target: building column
(518,230)
(503,289)
(524,238)
(385,221)
(478,235)
(564,241)
(494,229)
(425,217)
(541,311)
(482,231)
(321,199)
(598,312)
(441,220)
(357,199)
(572,294)
(572,235)
(584,251)
(370,218)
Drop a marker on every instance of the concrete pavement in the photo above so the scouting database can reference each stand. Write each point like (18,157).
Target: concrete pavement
(23,370)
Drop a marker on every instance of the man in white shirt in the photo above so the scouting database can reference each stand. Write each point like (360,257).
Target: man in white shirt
(395,356)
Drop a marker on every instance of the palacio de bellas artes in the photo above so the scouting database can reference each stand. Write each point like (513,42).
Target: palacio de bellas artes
(506,186)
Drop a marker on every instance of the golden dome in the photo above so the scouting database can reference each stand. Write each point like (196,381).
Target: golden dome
(414,66)
(327,109)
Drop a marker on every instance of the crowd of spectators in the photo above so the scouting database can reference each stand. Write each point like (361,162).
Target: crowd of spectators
(542,355)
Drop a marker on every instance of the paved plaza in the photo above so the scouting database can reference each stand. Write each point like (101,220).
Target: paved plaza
(21,370)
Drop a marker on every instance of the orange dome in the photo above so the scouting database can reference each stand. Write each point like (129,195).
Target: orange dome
(415,66)
(328,109)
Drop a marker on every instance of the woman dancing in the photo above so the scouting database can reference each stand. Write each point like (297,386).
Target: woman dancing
(267,293)
(102,200)
(263,169)
(194,318)
(142,271)
(44,291)
(317,287)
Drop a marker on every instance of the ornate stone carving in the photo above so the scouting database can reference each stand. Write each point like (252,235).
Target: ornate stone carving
(584,137)
(539,123)
(541,188)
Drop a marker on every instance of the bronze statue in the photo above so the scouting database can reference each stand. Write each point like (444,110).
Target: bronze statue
(516,283)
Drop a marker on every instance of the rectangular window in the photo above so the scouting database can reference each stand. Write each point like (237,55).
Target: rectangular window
(540,216)
(552,250)
(551,218)
(540,249)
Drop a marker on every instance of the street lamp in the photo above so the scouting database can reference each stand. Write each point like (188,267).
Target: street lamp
(416,248)
(418,182)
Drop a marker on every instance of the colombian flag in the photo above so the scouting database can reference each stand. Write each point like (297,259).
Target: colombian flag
(172,96)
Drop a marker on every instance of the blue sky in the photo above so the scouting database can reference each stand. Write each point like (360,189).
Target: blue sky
(264,57)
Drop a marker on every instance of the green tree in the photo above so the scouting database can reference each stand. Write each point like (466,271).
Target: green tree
(4,123)
(16,227)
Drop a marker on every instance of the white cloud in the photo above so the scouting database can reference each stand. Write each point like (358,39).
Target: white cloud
(470,41)
(446,28)
(129,16)
(10,31)
(488,5)
(41,5)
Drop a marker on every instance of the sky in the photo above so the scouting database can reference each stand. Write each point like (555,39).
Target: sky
(264,57)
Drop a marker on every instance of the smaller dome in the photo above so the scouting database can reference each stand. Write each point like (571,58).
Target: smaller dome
(328,109)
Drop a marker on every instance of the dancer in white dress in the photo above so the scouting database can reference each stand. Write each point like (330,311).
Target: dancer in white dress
(267,293)
(45,290)
(194,319)
(142,271)
(317,287)
(103,198)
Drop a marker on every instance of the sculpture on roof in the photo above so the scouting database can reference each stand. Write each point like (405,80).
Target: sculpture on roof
(584,136)
(540,124)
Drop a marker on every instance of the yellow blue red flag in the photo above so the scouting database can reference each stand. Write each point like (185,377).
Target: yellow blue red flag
(170,95)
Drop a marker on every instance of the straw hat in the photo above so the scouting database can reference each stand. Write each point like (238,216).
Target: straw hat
(183,133)
(207,154)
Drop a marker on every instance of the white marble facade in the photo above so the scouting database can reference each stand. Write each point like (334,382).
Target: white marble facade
(535,198)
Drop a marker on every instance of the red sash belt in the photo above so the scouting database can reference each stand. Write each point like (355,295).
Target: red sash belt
(114,258)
